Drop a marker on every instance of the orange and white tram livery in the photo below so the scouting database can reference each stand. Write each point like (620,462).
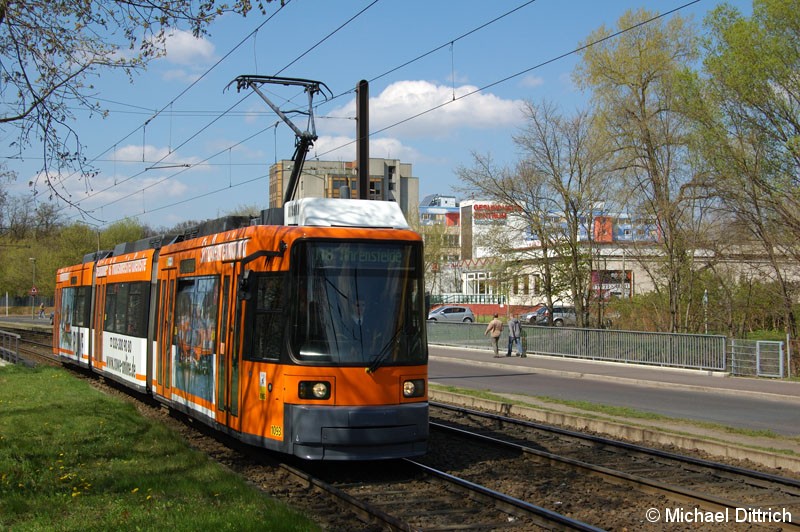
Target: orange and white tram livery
(306,338)
(71,333)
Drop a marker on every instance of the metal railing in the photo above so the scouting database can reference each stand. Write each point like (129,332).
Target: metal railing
(657,349)
(9,346)
(466,299)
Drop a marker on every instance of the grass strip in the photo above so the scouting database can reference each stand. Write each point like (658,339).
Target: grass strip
(72,458)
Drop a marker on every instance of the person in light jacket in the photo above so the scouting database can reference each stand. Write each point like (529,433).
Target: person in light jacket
(495,327)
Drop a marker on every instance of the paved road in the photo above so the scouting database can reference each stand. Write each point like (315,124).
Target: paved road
(755,404)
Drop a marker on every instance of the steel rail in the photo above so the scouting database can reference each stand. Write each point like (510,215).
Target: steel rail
(704,500)
(541,516)
(758,475)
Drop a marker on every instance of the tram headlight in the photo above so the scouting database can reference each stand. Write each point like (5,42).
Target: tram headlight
(314,390)
(414,388)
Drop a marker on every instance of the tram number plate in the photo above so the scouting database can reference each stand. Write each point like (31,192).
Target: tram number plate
(276,430)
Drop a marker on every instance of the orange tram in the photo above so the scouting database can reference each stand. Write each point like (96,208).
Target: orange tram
(306,338)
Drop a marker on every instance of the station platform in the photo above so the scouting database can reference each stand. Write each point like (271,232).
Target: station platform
(634,374)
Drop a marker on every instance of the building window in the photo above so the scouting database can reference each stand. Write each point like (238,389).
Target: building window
(478,283)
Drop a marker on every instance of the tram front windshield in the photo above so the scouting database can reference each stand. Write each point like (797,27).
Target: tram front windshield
(358,303)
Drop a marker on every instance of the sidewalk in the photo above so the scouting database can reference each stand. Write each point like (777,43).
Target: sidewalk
(635,374)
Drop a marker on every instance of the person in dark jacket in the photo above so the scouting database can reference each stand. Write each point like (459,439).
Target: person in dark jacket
(515,337)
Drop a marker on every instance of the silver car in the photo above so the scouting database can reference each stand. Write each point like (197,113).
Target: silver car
(562,316)
(452,313)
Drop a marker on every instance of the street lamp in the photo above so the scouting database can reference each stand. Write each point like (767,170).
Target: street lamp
(33,289)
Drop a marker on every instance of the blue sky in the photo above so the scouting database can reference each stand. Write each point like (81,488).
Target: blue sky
(209,149)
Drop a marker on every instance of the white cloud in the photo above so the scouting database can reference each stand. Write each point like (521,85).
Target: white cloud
(532,81)
(183,48)
(133,153)
(422,108)
(344,148)
(391,148)
(333,148)
(149,155)
(114,197)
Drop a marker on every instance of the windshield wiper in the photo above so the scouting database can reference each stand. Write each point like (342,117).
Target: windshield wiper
(380,358)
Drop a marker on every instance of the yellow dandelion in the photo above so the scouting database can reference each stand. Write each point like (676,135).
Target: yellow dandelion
(76,493)
(134,490)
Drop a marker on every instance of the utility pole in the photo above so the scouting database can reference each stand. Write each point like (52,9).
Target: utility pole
(362,138)
(33,289)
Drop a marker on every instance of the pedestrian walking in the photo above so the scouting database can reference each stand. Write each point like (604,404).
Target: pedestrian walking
(495,328)
(41,311)
(515,337)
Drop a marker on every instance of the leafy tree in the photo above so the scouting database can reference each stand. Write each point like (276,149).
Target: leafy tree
(51,49)
(635,80)
(127,230)
(74,241)
(747,113)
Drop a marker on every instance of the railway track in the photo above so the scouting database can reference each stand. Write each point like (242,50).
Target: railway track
(625,475)
(406,495)
(37,352)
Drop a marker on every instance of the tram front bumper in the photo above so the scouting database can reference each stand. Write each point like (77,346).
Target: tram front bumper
(358,433)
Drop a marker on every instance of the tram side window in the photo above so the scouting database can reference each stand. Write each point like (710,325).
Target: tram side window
(268,318)
(83,307)
(126,308)
(75,305)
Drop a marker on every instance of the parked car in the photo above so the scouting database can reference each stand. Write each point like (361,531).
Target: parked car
(562,316)
(452,313)
(531,317)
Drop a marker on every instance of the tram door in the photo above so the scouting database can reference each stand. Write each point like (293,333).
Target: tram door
(227,388)
(166,306)
(99,322)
